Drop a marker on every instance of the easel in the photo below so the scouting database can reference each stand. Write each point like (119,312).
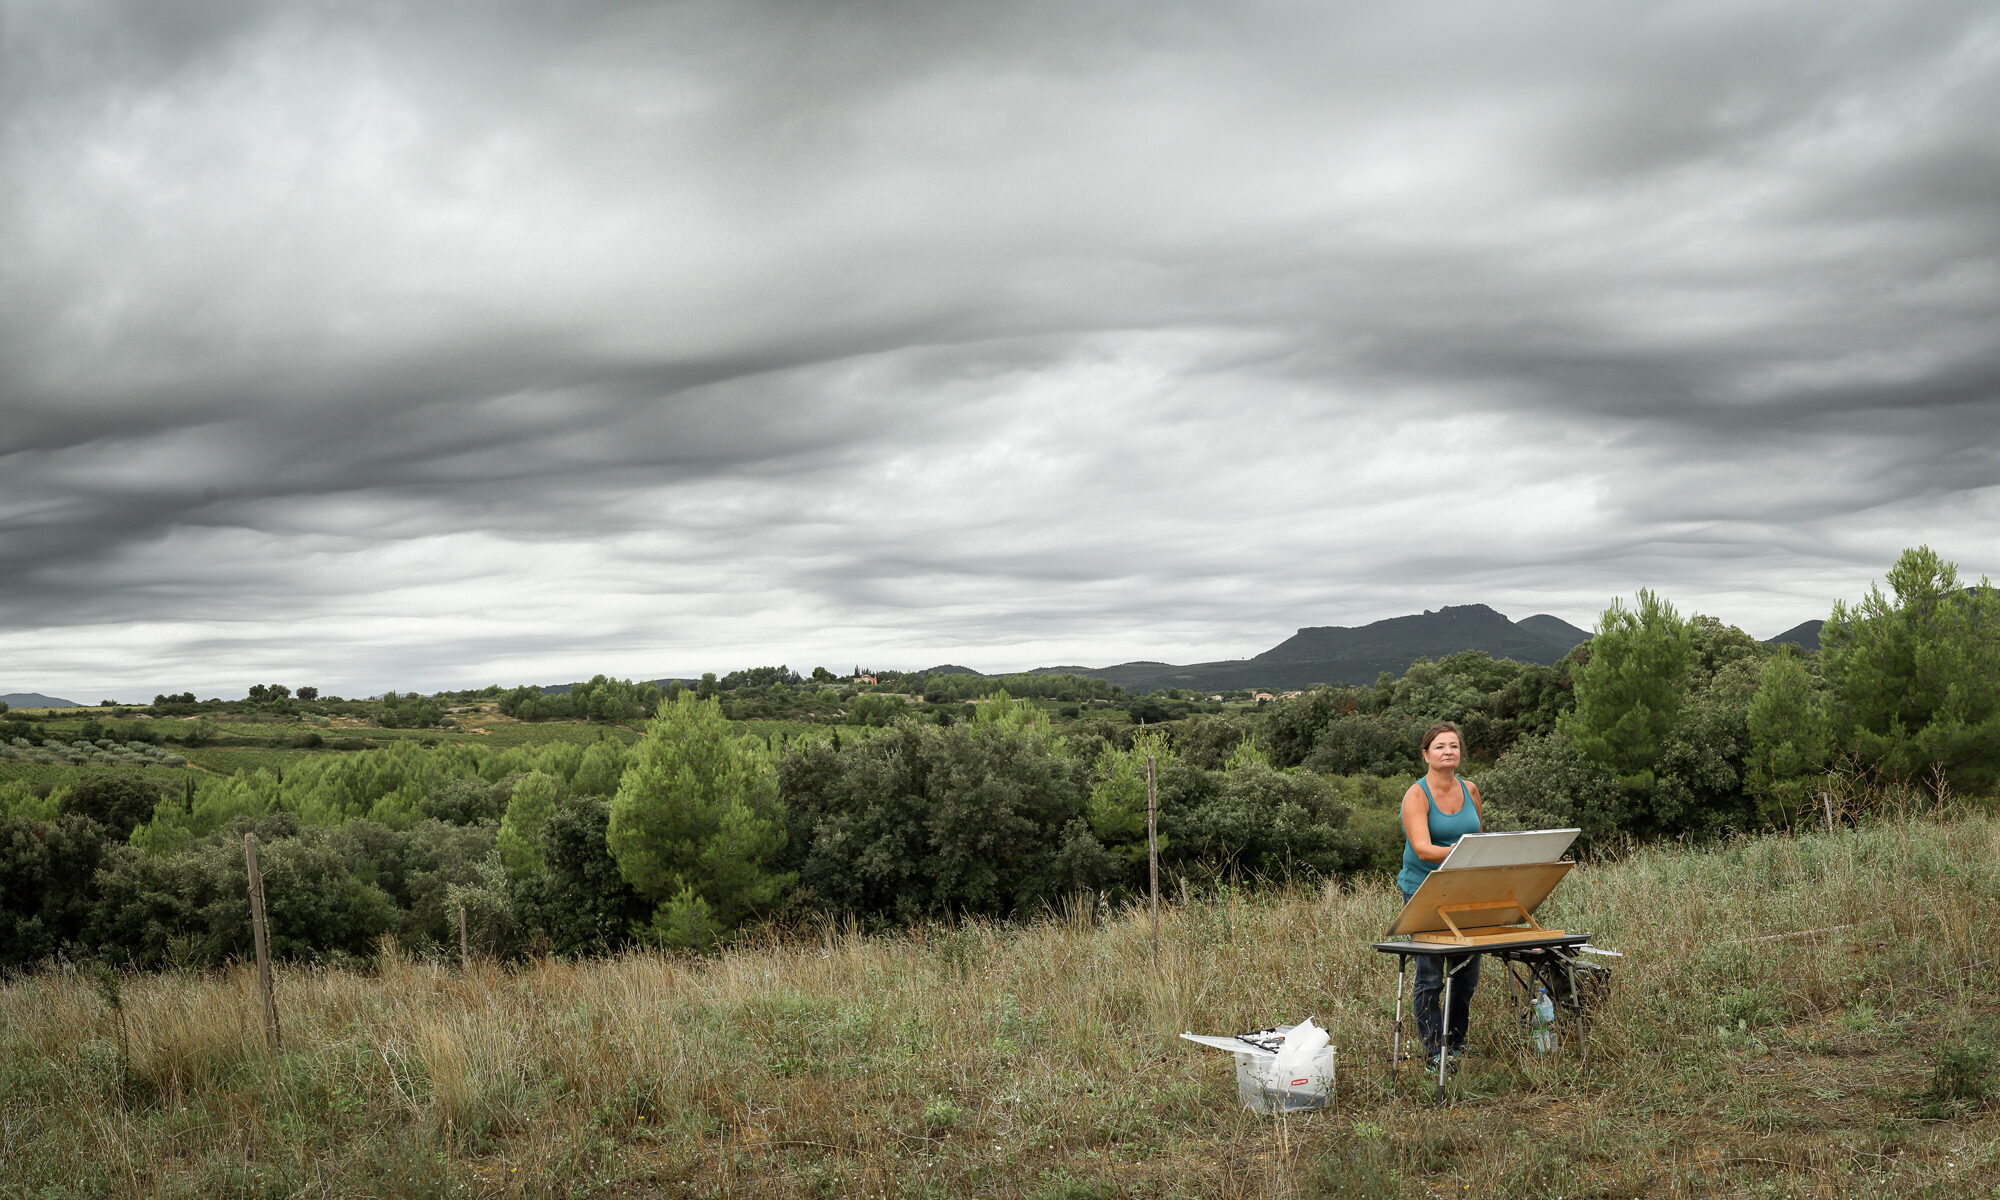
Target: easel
(1473,910)
(1448,897)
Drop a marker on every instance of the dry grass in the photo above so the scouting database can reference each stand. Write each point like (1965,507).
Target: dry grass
(1041,1060)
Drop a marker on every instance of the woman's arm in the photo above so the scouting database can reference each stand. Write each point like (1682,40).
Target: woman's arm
(1417,826)
(1478,809)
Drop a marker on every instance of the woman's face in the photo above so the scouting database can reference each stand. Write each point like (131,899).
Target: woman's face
(1443,751)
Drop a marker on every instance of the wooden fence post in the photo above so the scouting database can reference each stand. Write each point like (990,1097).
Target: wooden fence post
(464,948)
(260,930)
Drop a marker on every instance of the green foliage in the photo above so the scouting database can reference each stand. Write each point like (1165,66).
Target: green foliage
(874,709)
(316,898)
(952,687)
(697,817)
(601,698)
(466,801)
(119,802)
(598,772)
(1961,1078)
(1629,690)
(409,711)
(1698,777)
(47,881)
(486,902)
(1292,728)
(922,822)
(1917,680)
(1117,805)
(1544,782)
(1002,710)
(1363,730)
(1246,754)
(1368,744)
(1789,740)
(23,798)
(579,903)
(1207,740)
(534,798)
(1269,823)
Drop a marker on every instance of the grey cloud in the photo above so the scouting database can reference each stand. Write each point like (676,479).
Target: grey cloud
(975,325)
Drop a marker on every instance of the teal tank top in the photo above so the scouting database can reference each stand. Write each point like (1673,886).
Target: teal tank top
(1446,829)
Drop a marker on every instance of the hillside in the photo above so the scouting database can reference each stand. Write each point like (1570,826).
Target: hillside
(1804,635)
(1731,1057)
(1342,654)
(36,700)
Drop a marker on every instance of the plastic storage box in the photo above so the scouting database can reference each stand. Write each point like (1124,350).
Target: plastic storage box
(1257,1085)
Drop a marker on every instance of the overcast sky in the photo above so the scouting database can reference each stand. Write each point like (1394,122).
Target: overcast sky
(432,345)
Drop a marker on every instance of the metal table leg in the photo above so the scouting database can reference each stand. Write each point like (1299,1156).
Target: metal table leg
(1396,1040)
(1576,1013)
(1444,1029)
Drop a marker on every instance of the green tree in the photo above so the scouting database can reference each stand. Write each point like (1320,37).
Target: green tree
(1117,805)
(1628,693)
(1789,740)
(521,830)
(488,905)
(466,802)
(1002,710)
(1543,782)
(602,766)
(1917,680)
(580,904)
(694,823)
(1698,776)
(120,802)
(923,822)
(48,875)
(1268,822)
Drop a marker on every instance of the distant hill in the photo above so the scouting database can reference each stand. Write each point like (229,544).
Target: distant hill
(1554,629)
(1804,635)
(1340,654)
(36,700)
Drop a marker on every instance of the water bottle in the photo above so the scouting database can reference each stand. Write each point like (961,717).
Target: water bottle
(1544,1020)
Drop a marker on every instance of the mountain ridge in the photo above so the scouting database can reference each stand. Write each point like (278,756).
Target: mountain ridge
(37,700)
(1355,654)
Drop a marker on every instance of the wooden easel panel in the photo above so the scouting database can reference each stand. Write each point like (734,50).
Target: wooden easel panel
(1497,937)
(1496,890)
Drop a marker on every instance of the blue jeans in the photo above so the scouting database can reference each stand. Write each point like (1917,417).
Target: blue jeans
(1464,970)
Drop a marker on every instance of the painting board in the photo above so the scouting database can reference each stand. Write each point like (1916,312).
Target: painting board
(1482,897)
(1508,849)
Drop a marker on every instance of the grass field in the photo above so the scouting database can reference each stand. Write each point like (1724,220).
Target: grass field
(1041,1060)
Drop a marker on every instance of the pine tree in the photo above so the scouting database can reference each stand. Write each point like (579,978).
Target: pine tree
(1629,691)
(695,820)
(1788,740)
(1917,681)
(522,829)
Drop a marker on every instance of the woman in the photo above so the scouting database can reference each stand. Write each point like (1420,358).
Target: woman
(1439,809)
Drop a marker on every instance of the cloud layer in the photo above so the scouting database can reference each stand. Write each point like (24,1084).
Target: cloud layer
(435,345)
